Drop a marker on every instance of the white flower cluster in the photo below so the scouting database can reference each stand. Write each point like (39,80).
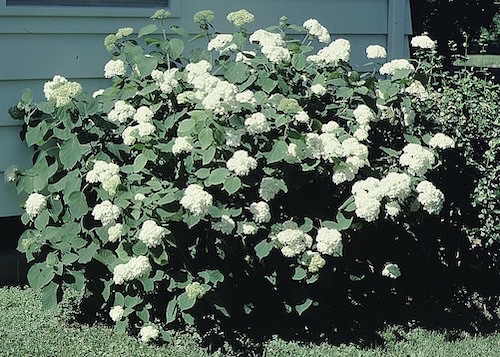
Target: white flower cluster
(338,50)
(116,313)
(148,333)
(245,57)
(329,242)
(249,228)
(391,270)
(166,81)
(363,115)
(375,51)
(214,93)
(194,290)
(417,158)
(257,124)
(417,90)
(133,269)
(35,203)
(241,163)
(293,241)
(114,68)
(139,197)
(423,41)
(222,43)
(272,46)
(396,186)
(318,89)
(233,137)
(115,232)
(430,197)
(240,18)
(314,28)
(121,112)
(247,97)
(226,224)
(260,211)
(316,261)
(61,90)
(142,130)
(151,234)
(106,174)
(441,141)
(269,188)
(356,154)
(301,117)
(106,212)
(324,146)
(182,144)
(196,200)
(394,66)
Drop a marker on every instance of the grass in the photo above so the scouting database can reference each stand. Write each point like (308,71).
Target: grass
(478,60)
(28,330)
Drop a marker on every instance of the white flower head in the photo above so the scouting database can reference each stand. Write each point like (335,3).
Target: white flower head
(417,159)
(430,197)
(133,269)
(143,115)
(60,90)
(391,270)
(294,242)
(249,228)
(423,41)
(316,261)
(314,28)
(35,203)
(121,112)
(114,68)
(241,163)
(222,43)
(240,18)
(260,211)
(338,50)
(196,200)
(318,89)
(151,233)
(226,224)
(396,186)
(302,117)
(116,313)
(396,65)
(375,51)
(329,242)
(106,212)
(363,114)
(392,209)
(115,232)
(148,333)
(167,80)
(257,124)
(195,290)
(441,141)
(417,90)
(182,144)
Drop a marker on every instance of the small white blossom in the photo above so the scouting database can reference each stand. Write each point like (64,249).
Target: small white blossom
(417,158)
(417,90)
(301,117)
(233,137)
(329,242)
(143,115)
(226,224)
(441,141)
(294,242)
(194,290)
(114,68)
(261,212)
(133,269)
(392,209)
(430,197)
(121,112)
(105,173)
(182,144)
(222,43)
(35,203)
(61,90)
(148,333)
(316,262)
(272,46)
(115,232)
(139,197)
(106,212)
(396,186)
(151,233)
(241,163)
(166,81)
(375,51)
(330,127)
(318,89)
(249,228)
(98,93)
(196,200)
(396,65)
(246,97)
(423,41)
(269,188)
(317,30)
(363,114)
(257,124)
(116,313)
(338,50)
(240,18)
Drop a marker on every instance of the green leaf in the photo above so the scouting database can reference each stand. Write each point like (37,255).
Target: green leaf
(140,162)
(160,256)
(69,258)
(344,92)
(236,72)
(79,282)
(299,273)
(176,48)
(180,31)
(263,249)
(299,61)
(42,220)
(307,226)
(40,275)
(50,296)
(217,176)
(412,139)
(185,127)
(171,312)
(206,138)
(146,65)
(87,254)
(70,153)
(78,204)
(146,30)
(304,306)
(343,222)
(185,302)
(208,155)
(202,173)
(212,276)
(232,184)
(277,153)
(267,84)
(140,248)
(35,135)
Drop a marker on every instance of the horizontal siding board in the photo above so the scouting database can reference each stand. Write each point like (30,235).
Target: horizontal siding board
(10,200)
(13,151)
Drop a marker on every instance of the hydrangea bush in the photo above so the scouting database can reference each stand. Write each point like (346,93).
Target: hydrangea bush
(199,185)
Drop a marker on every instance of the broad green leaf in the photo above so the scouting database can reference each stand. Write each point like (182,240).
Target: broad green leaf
(202,173)
(304,306)
(344,92)
(185,302)
(87,254)
(206,138)
(35,135)
(40,275)
(307,226)
(146,30)
(212,276)
(267,84)
(140,162)
(42,220)
(263,249)
(139,248)
(180,31)
(412,139)
(232,184)
(185,127)
(146,65)
(175,48)
(299,273)
(70,153)
(299,61)
(79,280)
(208,155)
(171,312)
(50,296)
(343,222)
(217,176)
(69,258)
(236,72)
(78,204)
(277,153)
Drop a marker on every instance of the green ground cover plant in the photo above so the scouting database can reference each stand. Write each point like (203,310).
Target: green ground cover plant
(256,182)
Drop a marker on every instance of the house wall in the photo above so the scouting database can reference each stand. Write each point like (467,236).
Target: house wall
(40,42)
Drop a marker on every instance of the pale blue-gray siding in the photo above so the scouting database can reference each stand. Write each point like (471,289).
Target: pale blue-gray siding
(40,42)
